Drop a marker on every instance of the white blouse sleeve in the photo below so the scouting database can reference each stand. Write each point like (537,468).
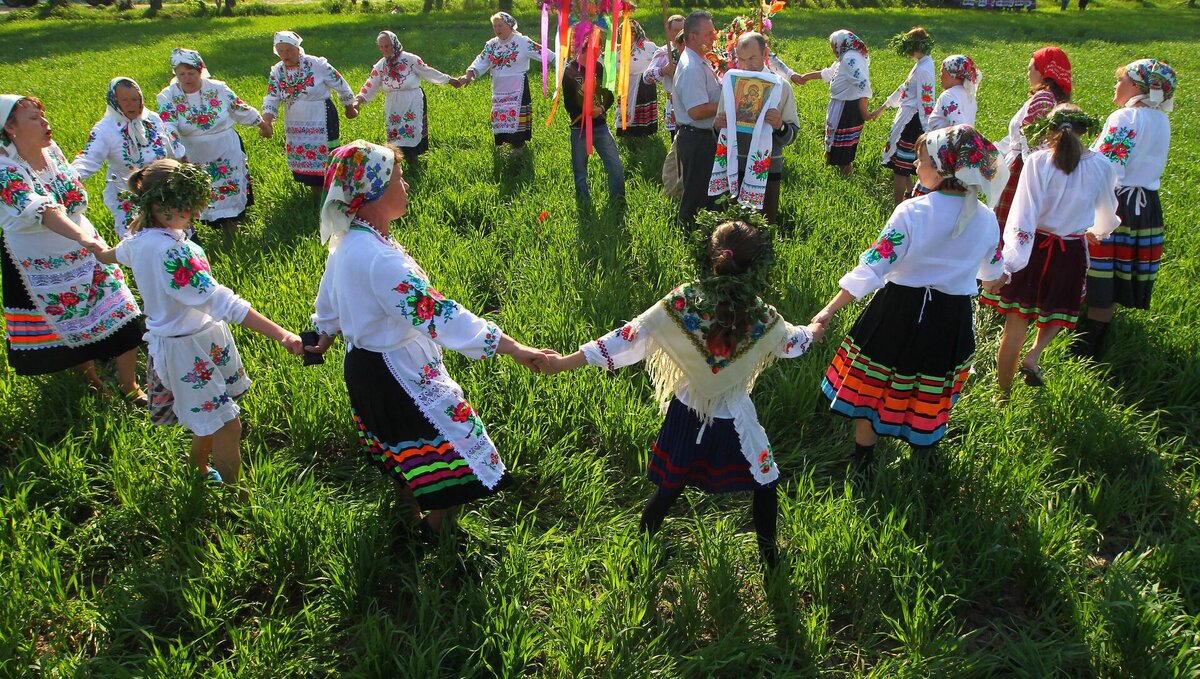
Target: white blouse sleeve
(326,320)
(992,266)
(482,64)
(941,116)
(429,73)
(404,292)
(1107,220)
(241,112)
(94,153)
(335,81)
(21,207)
(373,83)
(624,346)
(875,262)
(186,278)
(830,72)
(795,343)
(271,100)
(1024,215)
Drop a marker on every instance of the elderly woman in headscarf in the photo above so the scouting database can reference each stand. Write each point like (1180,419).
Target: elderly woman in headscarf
(415,423)
(1049,86)
(62,308)
(506,57)
(902,364)
(640,100)
(1135,140)
(400,74)
(203,111)
(958,102)
(302,83)
(128,137)
(850,92)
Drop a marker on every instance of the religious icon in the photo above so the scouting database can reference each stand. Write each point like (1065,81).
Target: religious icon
(749,96)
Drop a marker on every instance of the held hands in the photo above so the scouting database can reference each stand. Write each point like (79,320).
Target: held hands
(668,71)
(352,110)
(265,130)
(993,287)
(877,112)
(818,331)
(291,342)
(321,346)
(1092,238)
(536,360)
(823,318)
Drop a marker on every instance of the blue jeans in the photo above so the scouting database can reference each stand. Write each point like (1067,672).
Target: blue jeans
(606,147)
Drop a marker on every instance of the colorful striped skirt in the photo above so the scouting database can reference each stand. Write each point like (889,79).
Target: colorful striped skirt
(903,161)
(715,464)
(902,365)
(845,135)
(33,346)
(644,120)
(1049,290)
(1006,196)
(1125,264)
(401,442)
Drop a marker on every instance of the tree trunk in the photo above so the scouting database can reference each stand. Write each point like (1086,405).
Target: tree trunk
(506,5)
(229,4)
(155,5)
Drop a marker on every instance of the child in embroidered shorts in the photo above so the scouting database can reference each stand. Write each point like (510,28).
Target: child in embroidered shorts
(704,345)
(1066,196)
(194,371)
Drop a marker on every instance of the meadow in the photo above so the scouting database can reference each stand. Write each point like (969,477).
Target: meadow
(1055,536)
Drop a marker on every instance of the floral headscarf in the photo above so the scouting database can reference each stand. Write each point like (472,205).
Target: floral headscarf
(506,18)
(1157,82)
(963,68)
(960,152)
(1054,65)
(393,62)
(287,38)
(844,41)
(186,57)
(358,173)
(114,113)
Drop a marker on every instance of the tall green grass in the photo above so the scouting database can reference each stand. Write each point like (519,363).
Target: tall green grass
(1055,536)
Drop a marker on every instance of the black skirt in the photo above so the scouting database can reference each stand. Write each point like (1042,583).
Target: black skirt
(903,363)
(22,320)
(715,464)
(845,137)
(644,121)
(903,161)
(402,443)
(1049,290)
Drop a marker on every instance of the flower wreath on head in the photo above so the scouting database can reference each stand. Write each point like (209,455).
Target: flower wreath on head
(1078,122)
(188,188)
(905,44)
(743,289)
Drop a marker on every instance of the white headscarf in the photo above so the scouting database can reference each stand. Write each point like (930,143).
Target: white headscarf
(7,103)
(114,113)
(288,38)
(186,57)
(358,173)
(960,152)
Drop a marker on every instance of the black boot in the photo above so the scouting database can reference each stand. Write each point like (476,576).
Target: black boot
(1089,340)
(864,457)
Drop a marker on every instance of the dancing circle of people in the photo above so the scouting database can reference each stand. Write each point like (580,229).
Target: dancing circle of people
(1064,224)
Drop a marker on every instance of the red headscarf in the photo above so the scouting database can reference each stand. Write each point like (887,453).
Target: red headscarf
(1053,64)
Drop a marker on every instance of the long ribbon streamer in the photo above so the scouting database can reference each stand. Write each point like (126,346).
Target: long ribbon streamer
(623,80)
(589,85)
(545,49)
(558,88)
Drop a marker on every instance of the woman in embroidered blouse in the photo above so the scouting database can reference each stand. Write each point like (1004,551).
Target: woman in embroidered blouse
(849,79)
(506,57)
(302,83)
(1135,140)
(957,104)
(62,308)
(412,417)
(662,67)
(899,369)
(913,101)
(193,367)
(203,112)
(1050,85)
(128,138)
(640,101)
(705,344)
(1065,193)
(400,74)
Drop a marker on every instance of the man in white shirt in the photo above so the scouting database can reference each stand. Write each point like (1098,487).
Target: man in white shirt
(697,93)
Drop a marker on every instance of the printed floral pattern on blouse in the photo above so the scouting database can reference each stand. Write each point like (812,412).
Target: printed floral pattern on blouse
(1118,143)
(696,316)
(883,249)
(424,305)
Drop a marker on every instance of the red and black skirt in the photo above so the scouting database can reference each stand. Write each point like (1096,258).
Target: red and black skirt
(644,122)
(1125,265)
(1050,289)
(904,362)
(715,464)
(402,443)
(845,136)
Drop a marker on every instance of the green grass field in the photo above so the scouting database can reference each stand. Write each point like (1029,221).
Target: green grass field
(1056,536)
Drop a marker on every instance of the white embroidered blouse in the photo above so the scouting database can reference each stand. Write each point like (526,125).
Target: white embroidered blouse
(507,57)
(1065,205)
(179,294)
(407,75)
(914,96)
(312,80)
(953,107)
(916,249)
(849,77)
(1135,141)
